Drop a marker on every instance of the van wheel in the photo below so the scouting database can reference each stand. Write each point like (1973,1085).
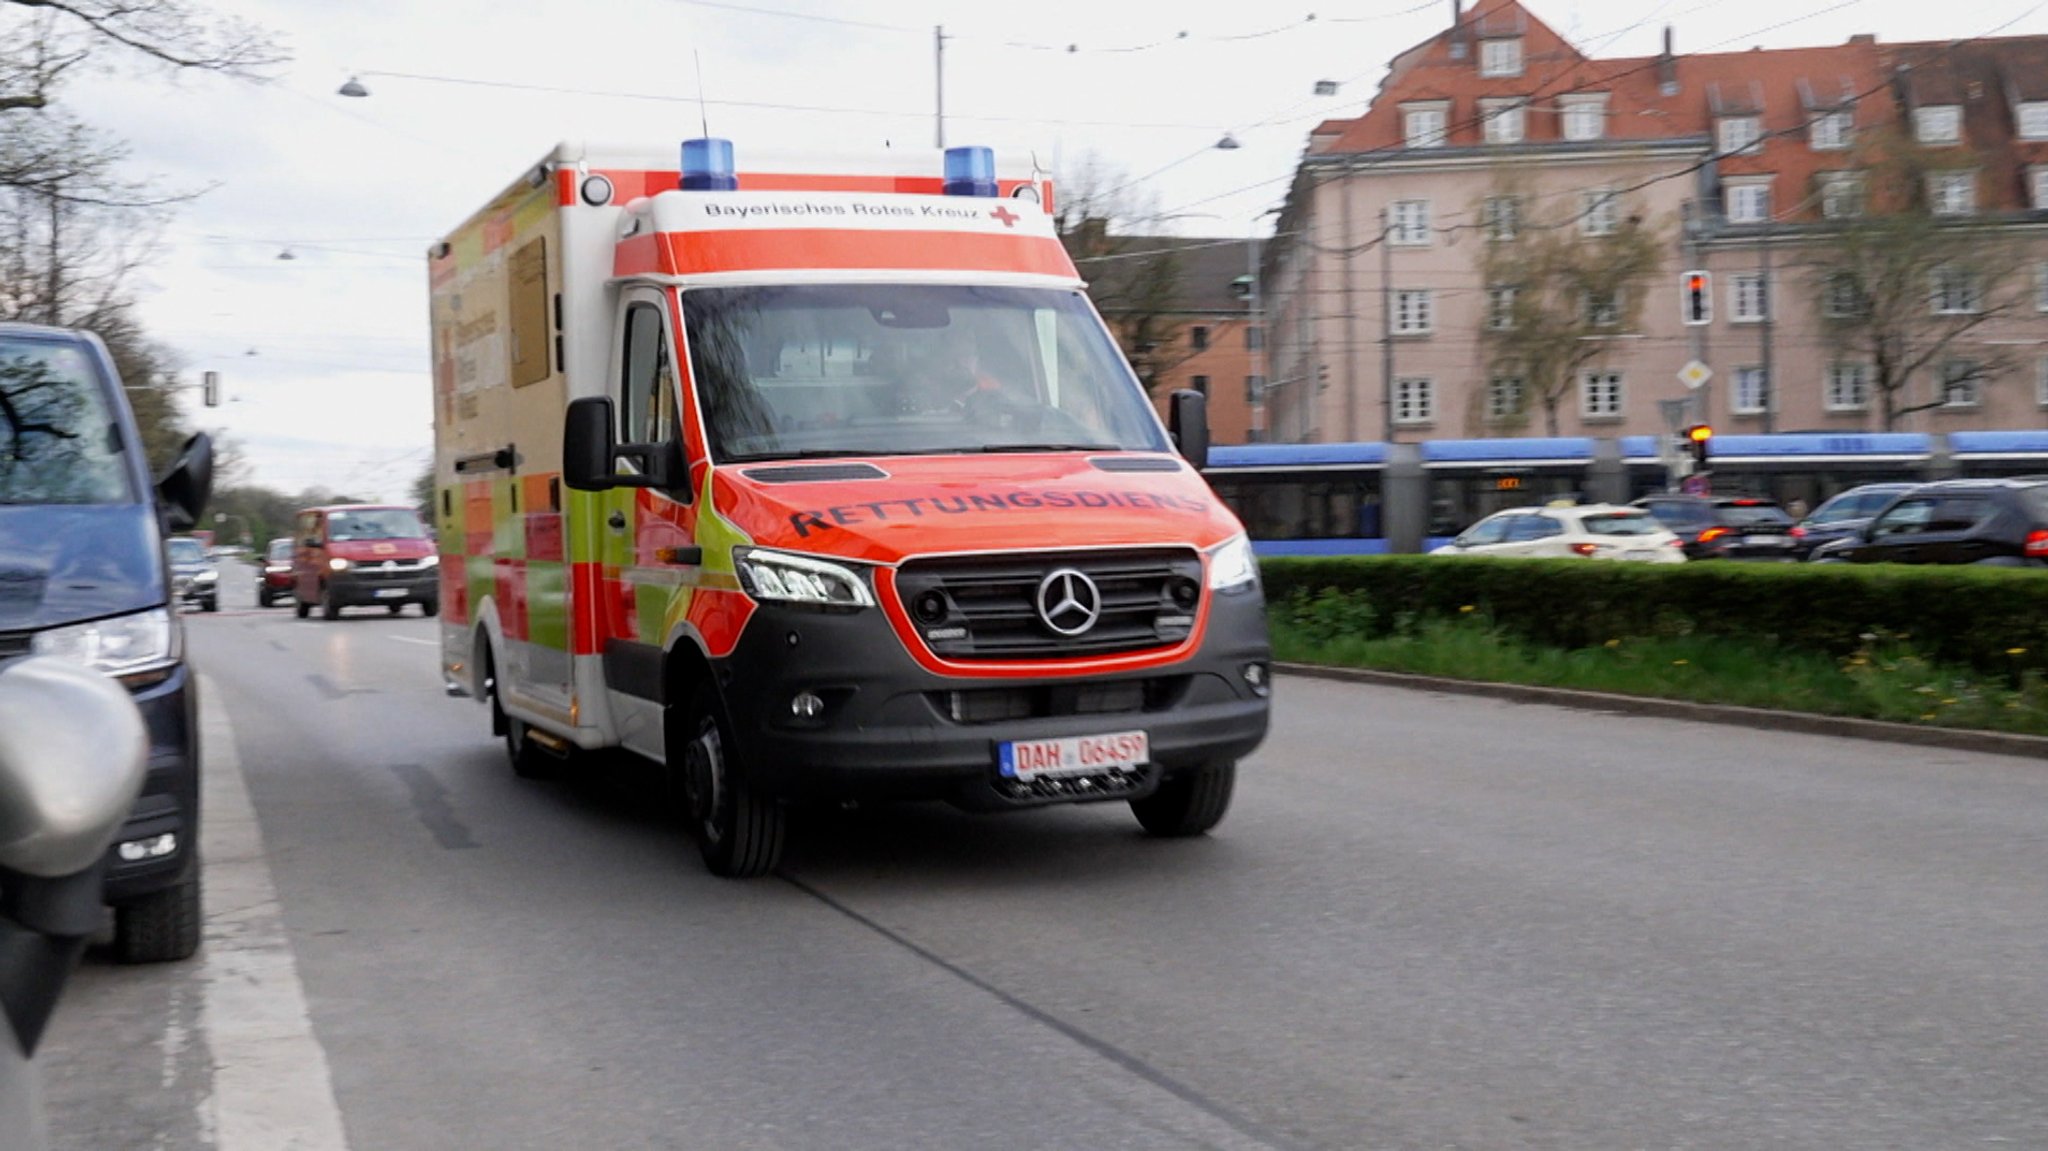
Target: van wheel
(1189,802)
(302,607)
(740,831)
(430,608)
(160,927)
(328,608)
(263,597)
(394,609)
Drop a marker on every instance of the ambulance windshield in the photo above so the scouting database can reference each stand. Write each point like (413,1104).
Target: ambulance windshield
(799,371)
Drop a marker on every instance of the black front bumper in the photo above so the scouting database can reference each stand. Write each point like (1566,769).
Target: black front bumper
(358,587)
(890,729)
(169,802)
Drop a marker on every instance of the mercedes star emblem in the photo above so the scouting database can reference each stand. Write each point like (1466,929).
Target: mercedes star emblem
(1069,602)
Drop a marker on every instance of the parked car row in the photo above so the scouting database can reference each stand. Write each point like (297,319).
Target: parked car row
(1975,521)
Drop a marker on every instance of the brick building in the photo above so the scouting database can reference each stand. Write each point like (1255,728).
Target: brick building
(1750,166)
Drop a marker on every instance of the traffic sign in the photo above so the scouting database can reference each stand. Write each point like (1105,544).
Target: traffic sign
(1694,373)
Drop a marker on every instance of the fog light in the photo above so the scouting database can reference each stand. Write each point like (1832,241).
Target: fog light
(155,847)
(1258,679)
(806,706)
(930,606)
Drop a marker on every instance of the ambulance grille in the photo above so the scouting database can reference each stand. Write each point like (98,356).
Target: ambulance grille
(986,607)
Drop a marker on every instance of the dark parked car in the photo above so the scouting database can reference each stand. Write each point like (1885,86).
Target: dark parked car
(274,580)
(1725,527)
(85,576)
(195,578)
(2000,522)
(1844,514)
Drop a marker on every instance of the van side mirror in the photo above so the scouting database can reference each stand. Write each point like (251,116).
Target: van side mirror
(1187,421)
(591,453)
(184,490)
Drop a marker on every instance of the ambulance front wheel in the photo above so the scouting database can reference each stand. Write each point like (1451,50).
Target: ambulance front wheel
(1189,802)
(739,830)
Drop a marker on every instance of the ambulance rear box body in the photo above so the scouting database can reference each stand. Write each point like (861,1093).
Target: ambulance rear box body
(825,488)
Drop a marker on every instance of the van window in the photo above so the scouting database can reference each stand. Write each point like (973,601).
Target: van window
(892,369)
(59,441)
(374,524)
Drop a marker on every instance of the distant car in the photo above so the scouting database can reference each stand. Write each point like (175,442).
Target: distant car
(1996,522)
(1591,531)
(1726,527)
(274,581)
(1843,515)
(194,578)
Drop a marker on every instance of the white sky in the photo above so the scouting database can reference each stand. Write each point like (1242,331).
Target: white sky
(325,356)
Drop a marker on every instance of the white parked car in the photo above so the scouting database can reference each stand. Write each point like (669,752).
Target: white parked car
(1592,531)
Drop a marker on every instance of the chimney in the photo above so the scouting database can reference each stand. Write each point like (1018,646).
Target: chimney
(1667,66)
(1458,48)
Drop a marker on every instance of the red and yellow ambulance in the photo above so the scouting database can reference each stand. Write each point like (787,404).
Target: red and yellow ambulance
(826,487)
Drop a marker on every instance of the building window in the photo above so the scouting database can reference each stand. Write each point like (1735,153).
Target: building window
(1500,57)
(1848,387)
(1425,124)
(1749,203)
(1503,120)
(1202,384)
(1198,338)
(1414,400)
(2041,287)
(1842,297)
(1952,193)
(2041,382)
(1585,117)
(1750,392)
(1938,124)
(1254,389)
(1599,212)
(1501,216)
(1748,299)
(1603,309)
(1959,380)
(2037,183)
(1504,396)
(1408,222)
(1254,338)
(1413,315)
(1741,135)
(1500,309)
(1955,292)
(1600,395)
(1833,131)
(1841,195)
(2033,119)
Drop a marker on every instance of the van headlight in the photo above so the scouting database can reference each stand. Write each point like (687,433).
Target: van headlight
(1233,566)
(337,564)
(432,561)
(127,647)
(799,579)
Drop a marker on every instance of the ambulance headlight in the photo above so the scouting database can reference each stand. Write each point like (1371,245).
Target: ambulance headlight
(798,579)
(1232,566)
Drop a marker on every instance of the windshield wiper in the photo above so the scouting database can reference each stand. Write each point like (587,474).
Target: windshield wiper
(993,448)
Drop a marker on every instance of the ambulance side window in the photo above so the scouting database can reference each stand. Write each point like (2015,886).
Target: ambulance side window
(648,413)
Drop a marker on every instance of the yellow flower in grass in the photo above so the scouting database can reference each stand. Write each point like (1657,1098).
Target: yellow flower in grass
(1680,662)
(1613,643)
(1466,608)
(2015,651)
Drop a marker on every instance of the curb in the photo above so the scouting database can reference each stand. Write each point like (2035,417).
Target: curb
(1956,739)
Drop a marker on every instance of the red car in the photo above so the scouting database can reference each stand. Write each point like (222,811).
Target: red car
(274,582)
(352,555)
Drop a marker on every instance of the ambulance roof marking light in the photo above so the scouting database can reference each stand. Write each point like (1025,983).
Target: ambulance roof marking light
(970,172)
(708,165)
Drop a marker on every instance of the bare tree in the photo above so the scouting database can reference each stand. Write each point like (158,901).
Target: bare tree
(1559,287)
(1905,292)
(1109,227)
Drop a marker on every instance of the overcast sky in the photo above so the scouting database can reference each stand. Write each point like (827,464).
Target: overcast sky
(325,355)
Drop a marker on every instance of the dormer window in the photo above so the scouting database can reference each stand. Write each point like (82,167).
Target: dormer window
(1749,202)
(1500,57)
(1585,117)
(1741,135)
(2033,117)
(1833,131)
(1938,124)
(1425,123)
(1503,120)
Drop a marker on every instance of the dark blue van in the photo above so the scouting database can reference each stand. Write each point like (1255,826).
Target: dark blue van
(84,574)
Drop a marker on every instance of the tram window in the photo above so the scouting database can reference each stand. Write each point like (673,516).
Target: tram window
(1458,501)
(1290,509)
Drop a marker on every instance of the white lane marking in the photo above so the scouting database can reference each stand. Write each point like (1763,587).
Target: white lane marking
(271,1087)
(411,639)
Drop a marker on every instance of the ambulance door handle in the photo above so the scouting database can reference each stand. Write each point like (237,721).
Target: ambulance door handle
(617,521)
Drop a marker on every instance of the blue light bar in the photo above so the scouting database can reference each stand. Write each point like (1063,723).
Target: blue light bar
(708,166)
(970,172)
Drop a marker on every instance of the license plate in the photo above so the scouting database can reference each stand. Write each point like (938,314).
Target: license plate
(390,593)
(1028,759)
(1774,541)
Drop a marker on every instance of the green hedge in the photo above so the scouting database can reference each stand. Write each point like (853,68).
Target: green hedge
(1992,619)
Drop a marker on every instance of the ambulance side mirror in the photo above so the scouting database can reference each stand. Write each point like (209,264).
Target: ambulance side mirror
(1187,420)
(591,453)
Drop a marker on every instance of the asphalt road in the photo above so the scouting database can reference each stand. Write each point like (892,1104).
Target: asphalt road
(1429,922)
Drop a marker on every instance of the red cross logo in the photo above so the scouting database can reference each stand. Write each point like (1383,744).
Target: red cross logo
(1004,214)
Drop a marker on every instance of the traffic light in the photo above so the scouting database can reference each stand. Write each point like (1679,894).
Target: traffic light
(1700,435)
(210,387)
(1696,296)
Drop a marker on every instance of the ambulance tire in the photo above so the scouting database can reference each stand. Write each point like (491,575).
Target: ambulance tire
(1189,802)
(529,760)
(739,830)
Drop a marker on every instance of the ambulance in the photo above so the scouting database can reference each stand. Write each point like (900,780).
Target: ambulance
(826,486)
